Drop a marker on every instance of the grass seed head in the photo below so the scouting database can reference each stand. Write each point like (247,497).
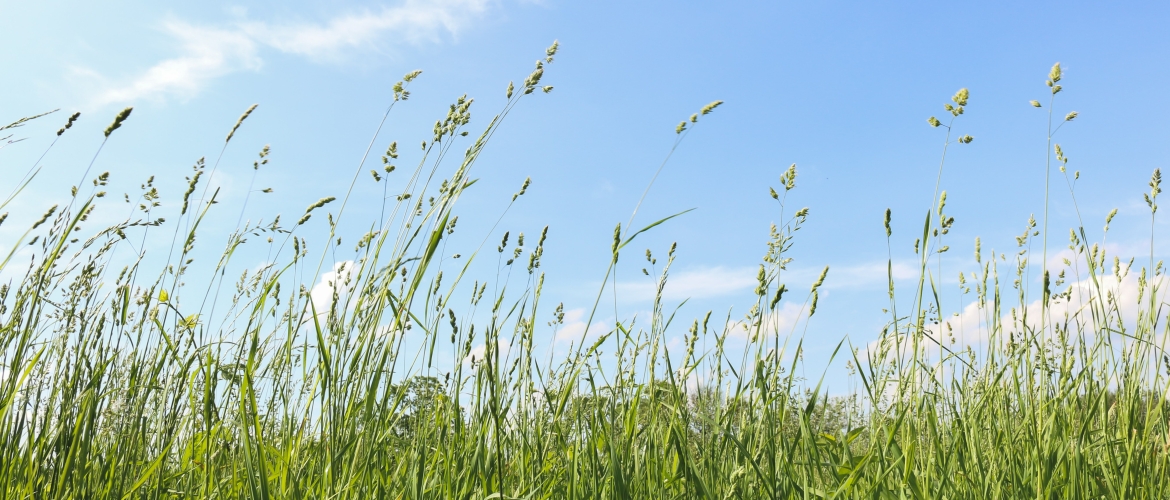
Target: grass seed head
(710,107)
(534,78)
(45,217)
(1155,189)
(523,189)
(617,239)
(820,280)
(551,51)
(779,294)
(961,96)
(788,178)
(320,203)
(69,124)
(239,122)
(121,117)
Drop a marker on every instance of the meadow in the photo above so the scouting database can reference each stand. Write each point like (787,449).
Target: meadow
(118,380)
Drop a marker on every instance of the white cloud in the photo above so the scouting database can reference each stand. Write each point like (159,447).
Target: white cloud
(778,321)
(336,281)
(706,282)
(477,353)
(574,327)
(694,284)
(413,21)
(863,275)
(208,53)
(970,327)
(1056,261)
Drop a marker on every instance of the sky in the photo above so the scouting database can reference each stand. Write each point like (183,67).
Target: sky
(841,89)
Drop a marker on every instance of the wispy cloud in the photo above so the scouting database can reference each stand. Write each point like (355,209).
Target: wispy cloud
(207,53)
(868,275)
(691,284)
(780,321)
(718,281)
(413,22)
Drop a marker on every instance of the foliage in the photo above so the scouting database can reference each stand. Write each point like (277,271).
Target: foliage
(115,384)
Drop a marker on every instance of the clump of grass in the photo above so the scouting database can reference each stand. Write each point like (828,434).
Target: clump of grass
(122,383)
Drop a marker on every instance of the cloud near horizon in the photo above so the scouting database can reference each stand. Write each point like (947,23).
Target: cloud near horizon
(207,53)
(970,326)
(718,281)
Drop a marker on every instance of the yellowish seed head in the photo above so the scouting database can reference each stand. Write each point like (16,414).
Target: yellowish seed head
(961,96)
(710,107)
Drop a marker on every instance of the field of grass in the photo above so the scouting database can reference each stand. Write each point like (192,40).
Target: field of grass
(120,382)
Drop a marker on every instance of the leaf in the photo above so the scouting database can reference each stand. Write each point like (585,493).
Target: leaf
(647,228)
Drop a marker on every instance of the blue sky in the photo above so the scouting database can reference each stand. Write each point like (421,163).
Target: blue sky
(841,89)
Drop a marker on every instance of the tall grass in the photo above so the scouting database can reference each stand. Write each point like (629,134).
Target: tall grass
(122,382)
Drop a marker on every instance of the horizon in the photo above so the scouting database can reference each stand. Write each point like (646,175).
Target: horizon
(847,113)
